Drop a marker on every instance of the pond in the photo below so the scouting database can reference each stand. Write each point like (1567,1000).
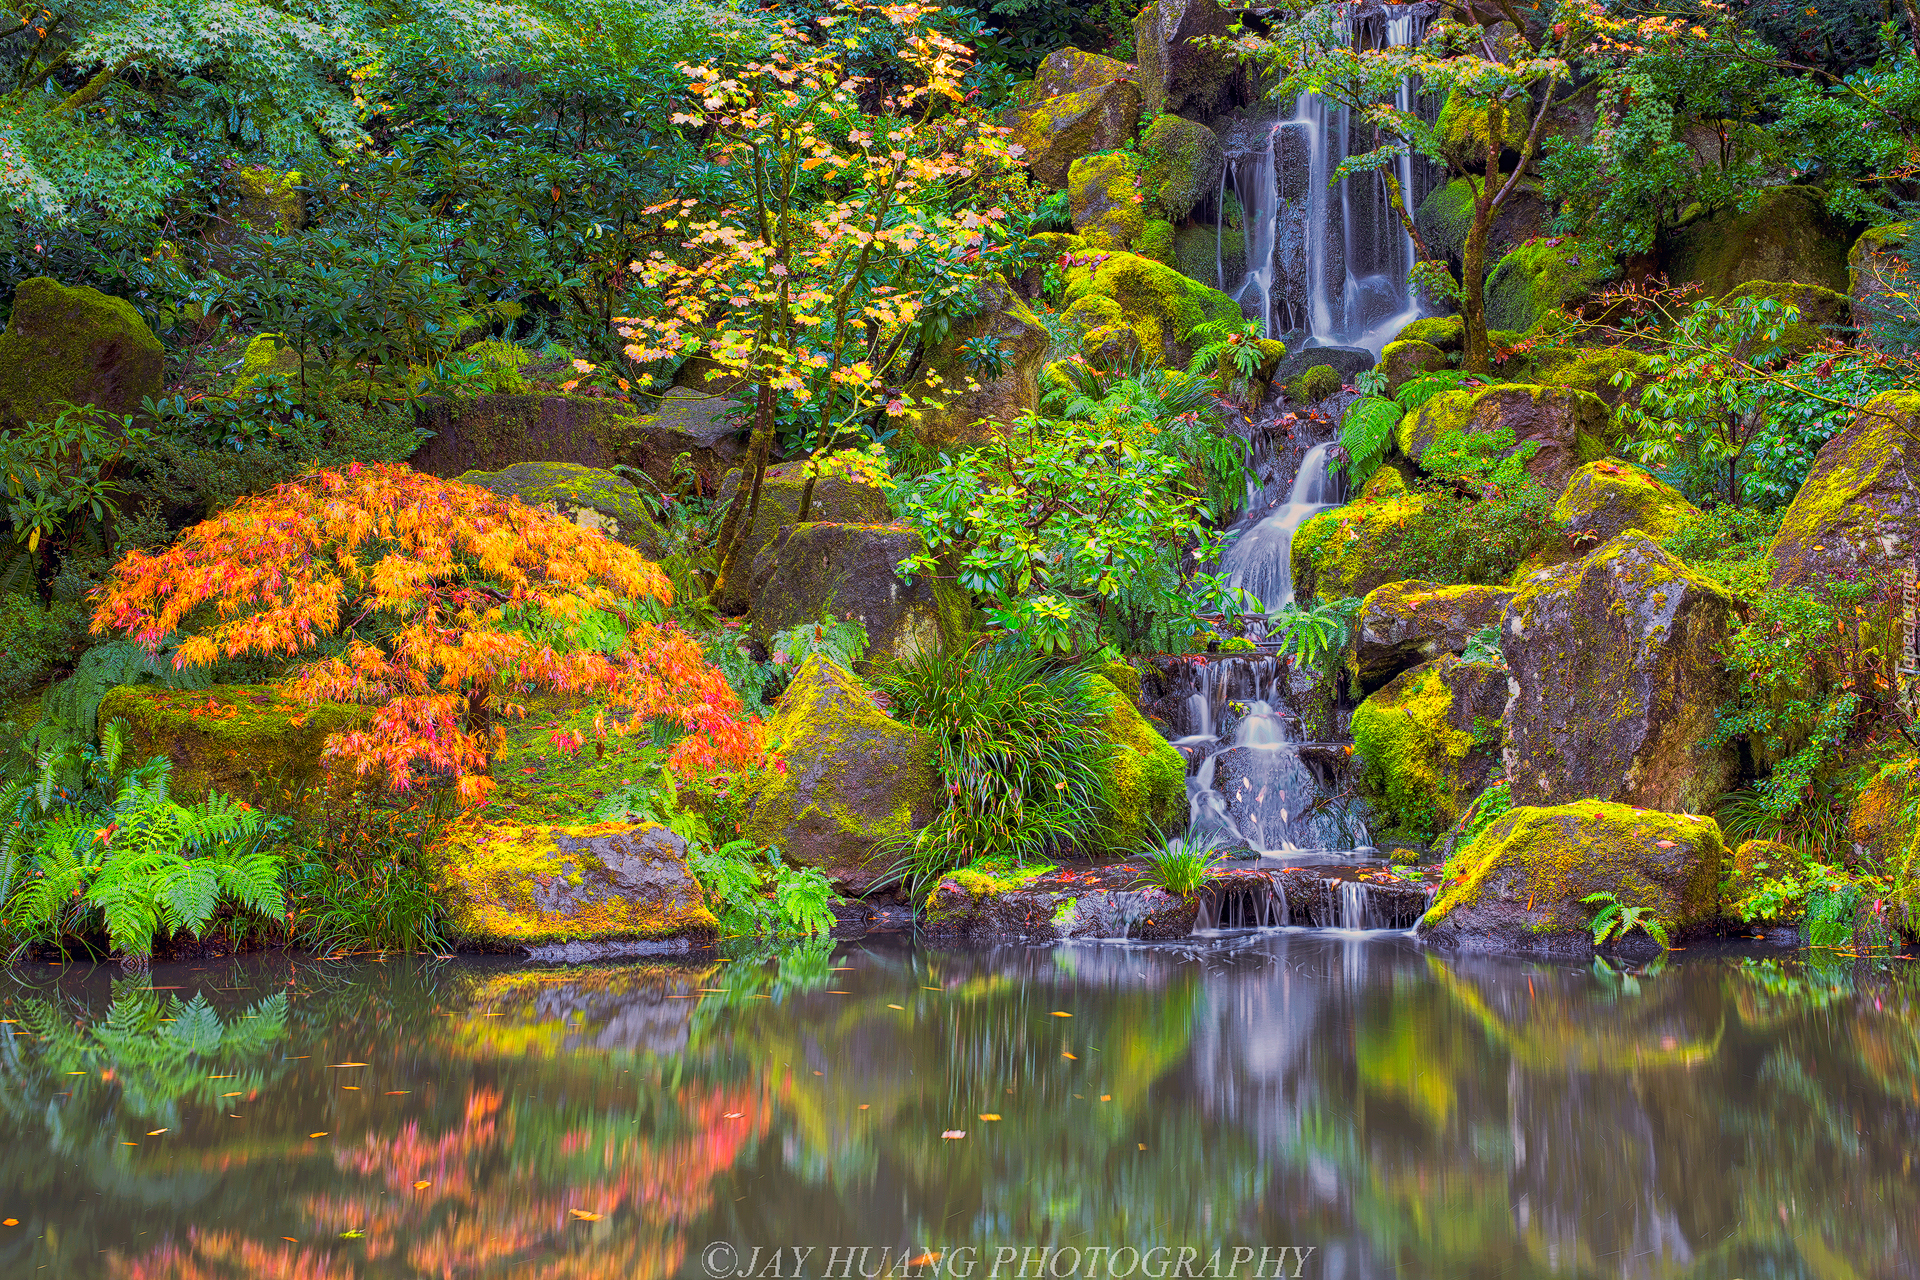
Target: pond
(1305,1103)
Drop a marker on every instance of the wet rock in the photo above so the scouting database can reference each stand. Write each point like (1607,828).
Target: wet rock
(852,784)
(1593,370)
(970,405)
(838,497)
(508,886)
(1106,200)
(1403,624)
(1081,104)
(1823,312)
(1616,679)
(75,346)
(591,498)
(1562,423)
(970,907)
(1182,165)
(1604,499)
(1345,361)
(1345,552)
(1787,235)
(1757,861)
(815,570)
(1519,886)
(1858,512)
(1143,779)
(1429,739)
(1178,75)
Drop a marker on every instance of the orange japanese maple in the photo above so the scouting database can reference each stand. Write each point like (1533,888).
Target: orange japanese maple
(425,583)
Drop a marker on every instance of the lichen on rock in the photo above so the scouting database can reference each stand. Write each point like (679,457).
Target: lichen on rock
(1411,750)
(1106,199)
(1342,552)
(1184,160)
(837,498)
(1143,779)
(1404,359)
(591,498)
(957,404)
(1402,624)
(1096,107)
(1787,234)
(1552,418)
(1160,305)
(1535,281)
(1858,512)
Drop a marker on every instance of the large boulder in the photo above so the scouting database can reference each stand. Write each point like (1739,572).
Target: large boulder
(1157,304)
(1143,779)
(1429,740)
(255,200)
(1403,624)
(1045,905)
(1403,361)
(1446,216)
(1606,498)
(1178,75)
(75,346)
(1594,370)
(851,784)
(1858,512)
(1463,131)
(493,432)
(961,405)
(1538,280)
(1563,424)
(1886,834)
(1616,679)
(1876,278)
(817,570)
(1183,162)
(1823,312)
(251,742)
(1081,103)
(1519,886)
(838,497)
(1211,255)
(591,498)
(507,886)
(1788,234)
(1344,552)
(1106,200)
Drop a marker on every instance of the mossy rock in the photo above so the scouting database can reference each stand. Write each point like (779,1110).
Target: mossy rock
(266,356)
(1143,779)
(1156,241)
(852,784)
(1056,131)
(1100,329)
(1106,199)
(1463,131)
(1788,234)
(251,742)
(1824,313)
(1588,369)
(957,405)
(1553,418)
(1875,276)
(1402,624)
(1272,352)
(836,498)
(1518,888)
(1413,755)
(1534,282)
(254,200)
(1618,680)
(1159,304)
(1882,823)
(537,781)
(1343,552)
(1857,514)
(1757,861)
(1448,333)
(1179,67)
(817,570)
(1314,384)
(1071,70)
(1183,164)
(591,498)
(75,346)
(1445,218)
(509,885)
(1606,498)
(1403,360)
(1209,256)
(1123,676)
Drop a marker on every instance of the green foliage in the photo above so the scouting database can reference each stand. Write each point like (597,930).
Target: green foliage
(61,477)
(1485,457)
(1419,389)
(986,356)
(1173,412)
(1824,896)
(1316,635)
(1484,646)
(1496,800)
(1181,865)
(843,642)
(70,709)
(1615,921)
(120,856)
(1453,538)
(752,892)
(360,878)
(36,639)
(1231,349)
(1017,756)
(727,651)
(1366,433)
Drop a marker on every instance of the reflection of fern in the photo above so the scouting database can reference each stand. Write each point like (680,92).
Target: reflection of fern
(1365,432)
(70,710)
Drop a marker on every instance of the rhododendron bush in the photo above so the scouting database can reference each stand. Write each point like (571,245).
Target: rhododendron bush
(412,595)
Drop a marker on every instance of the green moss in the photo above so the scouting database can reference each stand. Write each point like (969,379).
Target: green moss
(1531,284)
(248,741)
(1463,131)
(1868,257)
(1606,498)
(1272,352)
(1448,333)
(1405,358)
(1123,676)
(1846,501)
(270,200)
(1342,552)
(1588,369)
(1314,384)
(1203,253)
(1054,131)
(1106,200)
(264,355)
(1822,310)
(1446,216)
(1413,755)
(1488,408)
(1156,241)
(1182,169)
(589,497)
(1786,235)
(1158,303)
(1143,778)
(74,346)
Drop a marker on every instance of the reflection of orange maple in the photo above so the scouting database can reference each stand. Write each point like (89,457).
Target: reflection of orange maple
(219,1255)
(480,1210)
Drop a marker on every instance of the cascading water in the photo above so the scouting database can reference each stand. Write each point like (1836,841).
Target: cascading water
(1329,259)
(1260,561)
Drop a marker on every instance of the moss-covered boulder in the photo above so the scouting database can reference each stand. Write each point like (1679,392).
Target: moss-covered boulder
(507,886)
(254,200)
(1156,241)
(852,783)
(961,405)
(1606,498)
(1883,824)
(1824,313)
(1858,512)
(494,432)
(1205,254)
(1105,197)
(266,355)
(1143,779)
(1464,131)
(1589,369)
(1082,103)
(1788,234)
(1755,862)
(1313,384)
(1342,552)
(1617,678)
(1183,162)
(1404,360)
(1428,740)
(1179,72)
(839,497)
(591,498)
(814,570)
(1445,217)
(1161,306)
(1538,279)
(75,346)
(1099,328)
(1403,624)
(1518,888)
(252,742)
(1875,277)
(1553,418)
(1448,333)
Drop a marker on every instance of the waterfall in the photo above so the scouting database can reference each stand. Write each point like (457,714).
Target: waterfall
(1329,259)
(1260,561)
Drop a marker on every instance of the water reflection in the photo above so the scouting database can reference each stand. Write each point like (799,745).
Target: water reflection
(1399,1113)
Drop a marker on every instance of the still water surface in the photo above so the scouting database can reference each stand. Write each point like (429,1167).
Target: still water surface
(1394,1112)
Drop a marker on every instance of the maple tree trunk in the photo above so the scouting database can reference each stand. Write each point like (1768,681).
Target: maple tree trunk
(1473,304)
(747,500)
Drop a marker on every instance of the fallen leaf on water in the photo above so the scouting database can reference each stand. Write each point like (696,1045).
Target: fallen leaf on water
(154,1133)
(321,1134)
(421,1186)
(353,1235)
(232,1095)
(584,1216)
(989,1115)
(9,1222)
(865,1105)
(1065,1054)
(1106,1097)
(1058,1014)
(933,988)
(129,1144)
(394,1093)
(897,1006)
(1143,1146)
(332,1065)
(954,1133)
(732,1115)
(924,1260)
(290,1238)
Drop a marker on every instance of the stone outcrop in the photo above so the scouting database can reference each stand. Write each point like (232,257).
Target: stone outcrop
(1177,75)
(1429,740)
(1403,624)
(816,570)
(1788,234)
(1519,886)
(1080,103)
(963,405)
(1182,161)
(837,498)
(1563,424)
(1404,361)
(1538,280)
(1858,512)
(1604,499)
(1106,200)
(1156,304)
(1616,678)
(1143,779)
(591,498)
(75,346)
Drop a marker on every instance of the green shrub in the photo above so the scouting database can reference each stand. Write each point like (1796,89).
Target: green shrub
(1730,545)
(1314,384)
(360,878)
(1181,866)
(35,639)
(753,893)
(1366,432)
